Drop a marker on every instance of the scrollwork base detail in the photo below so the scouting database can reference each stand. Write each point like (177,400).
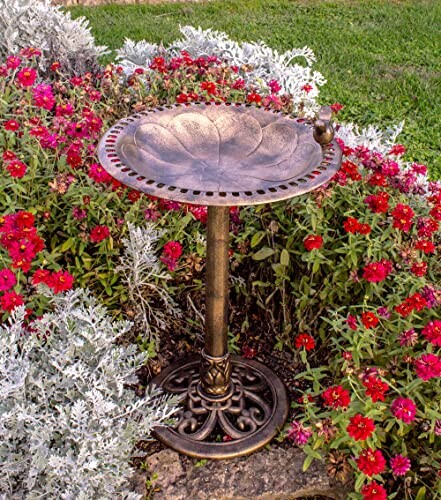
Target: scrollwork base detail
(252,412)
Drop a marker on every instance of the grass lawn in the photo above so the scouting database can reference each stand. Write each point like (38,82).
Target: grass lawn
(382,58)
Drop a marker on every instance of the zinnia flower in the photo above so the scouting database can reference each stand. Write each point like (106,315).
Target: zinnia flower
(306,341)
(336,397)
(428,366)
(375,388)
(403,409)
(432,332)
(99,233)
(399,465)
(402,217)
(298,433)
(371,462)
(172,250)
(369,319)
(7,280)
(11,300)
(377,271)
(373,491)
(313,242)
(26,77)
(360,428)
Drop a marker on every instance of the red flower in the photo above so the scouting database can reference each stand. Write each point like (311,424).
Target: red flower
(26,77)
(378,203)
(16,168)
(8,155)
(360,428)
(307,88)
(377,271)
(419,268)
(351,225)
(436,212)
(377,179)
(336,397)
(402,217)
(133,196)
(414,302)
(373,491)
(11,125)
(426,227)
(426,246)
(428,366)
(209,87)
(403,409)
(432,332)
(253,97)
(364,229)
(397,149)
(375,388)
(352,322)
(172,250)
(306,341)
(7,280)
(10,300)
(369,319)
(371,462)
(41,276)
(336,107)
(351,170)
(99,233)
(60,281)
(313,242)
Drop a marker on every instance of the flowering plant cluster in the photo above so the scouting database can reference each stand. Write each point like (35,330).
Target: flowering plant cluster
(347,276)
(363,274)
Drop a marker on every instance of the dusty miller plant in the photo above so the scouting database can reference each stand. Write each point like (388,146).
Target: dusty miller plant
(68,423)
(266,63)
(38,24)
(139,265)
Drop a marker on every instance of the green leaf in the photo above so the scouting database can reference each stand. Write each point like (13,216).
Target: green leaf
(284,257)
(421,495)
(263,253)
(257,238)
(307,462)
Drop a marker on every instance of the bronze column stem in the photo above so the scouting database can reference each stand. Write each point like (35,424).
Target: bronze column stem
(216,365)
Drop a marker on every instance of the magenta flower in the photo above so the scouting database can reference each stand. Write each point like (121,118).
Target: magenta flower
(7,280)
(299,434)
(403,409)
(399,465)
(351,321)
(408,338)
(428,366)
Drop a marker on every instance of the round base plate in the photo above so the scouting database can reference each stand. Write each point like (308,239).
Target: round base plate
(241,424)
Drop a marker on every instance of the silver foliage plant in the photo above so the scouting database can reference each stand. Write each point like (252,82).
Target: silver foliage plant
(154,307)
(39,24)
(267,63)
(68,424)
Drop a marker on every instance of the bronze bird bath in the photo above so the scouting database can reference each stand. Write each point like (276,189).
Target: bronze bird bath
(221,155)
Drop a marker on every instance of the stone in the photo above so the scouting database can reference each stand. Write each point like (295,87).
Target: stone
(271,474)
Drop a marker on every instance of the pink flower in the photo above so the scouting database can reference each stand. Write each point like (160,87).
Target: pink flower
(79,213)
(26,77)
(7,280)
(399,465)
(432,332)
(352,322)
(274,86)
(298,433)
(408,338)
(428,366)
(43,96)
(13,62)
(98,174)
(403,409)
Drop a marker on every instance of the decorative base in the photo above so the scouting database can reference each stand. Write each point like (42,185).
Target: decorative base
(223,427)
